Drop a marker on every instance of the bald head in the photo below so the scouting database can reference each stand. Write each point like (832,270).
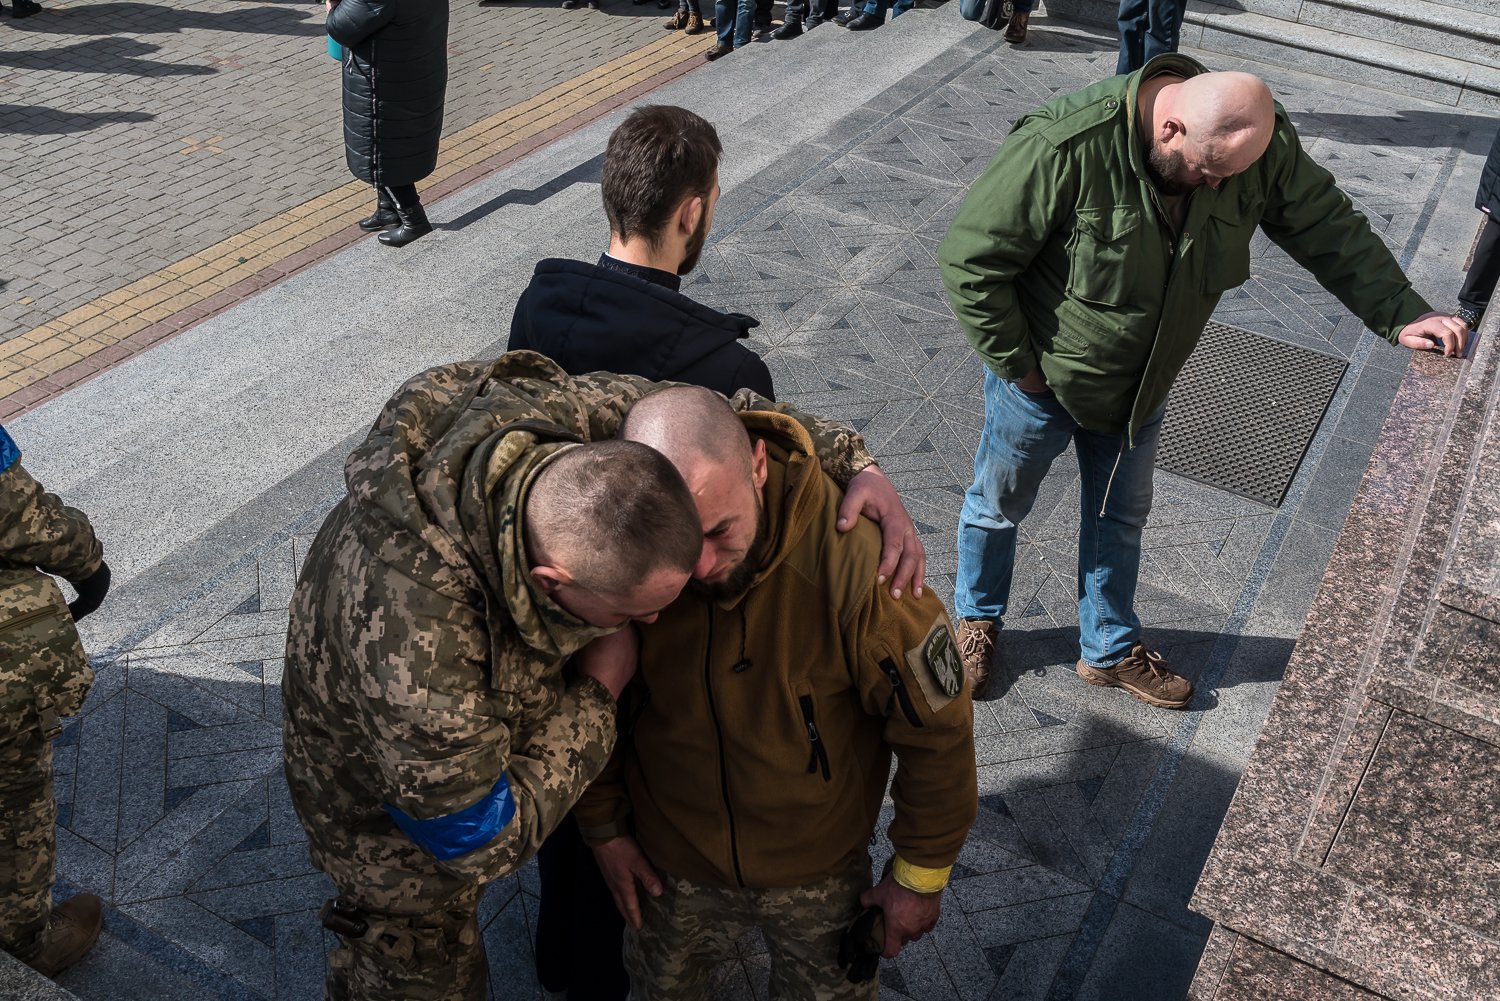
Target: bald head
(1230,115)
(692,427)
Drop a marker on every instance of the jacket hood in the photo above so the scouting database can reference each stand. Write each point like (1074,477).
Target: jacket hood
(436,488)
(630,325)
(791,498)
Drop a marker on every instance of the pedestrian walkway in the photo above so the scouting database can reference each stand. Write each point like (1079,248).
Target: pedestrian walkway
(209,462)
(159,190)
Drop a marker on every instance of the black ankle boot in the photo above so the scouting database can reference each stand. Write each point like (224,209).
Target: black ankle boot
(790,28)
(24,8)
(385,215)
(414,224)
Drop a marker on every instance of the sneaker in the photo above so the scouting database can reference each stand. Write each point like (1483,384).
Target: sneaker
(976,646)
(717,51)
(72,930)
(1143,674)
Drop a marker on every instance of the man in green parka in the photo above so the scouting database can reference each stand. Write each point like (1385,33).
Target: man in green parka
(1083,267)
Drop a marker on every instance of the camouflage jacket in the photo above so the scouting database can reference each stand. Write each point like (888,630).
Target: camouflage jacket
(421,665)
(39,535)
(764,724)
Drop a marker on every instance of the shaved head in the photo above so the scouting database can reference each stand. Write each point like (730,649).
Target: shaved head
(611,513)
(1230,115)
(691,426)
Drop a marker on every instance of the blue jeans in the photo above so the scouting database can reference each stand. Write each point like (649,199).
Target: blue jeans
(732,20)
(1147,28)
(877,7)
(1023,433)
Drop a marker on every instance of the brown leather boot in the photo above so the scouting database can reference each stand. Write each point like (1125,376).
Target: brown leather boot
(976,647)
(1015,31)
(72,931)
(1143,674)
(678,20)
(694,24)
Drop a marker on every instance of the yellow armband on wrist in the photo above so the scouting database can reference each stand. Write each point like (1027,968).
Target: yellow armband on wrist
(919,879)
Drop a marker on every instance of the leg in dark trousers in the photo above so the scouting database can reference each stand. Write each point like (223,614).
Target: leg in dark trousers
(578,929)
(1484,271)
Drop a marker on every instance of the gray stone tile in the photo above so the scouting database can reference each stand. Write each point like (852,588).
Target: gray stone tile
(220,944)
(299,956)
(1121,973)
(1334,481)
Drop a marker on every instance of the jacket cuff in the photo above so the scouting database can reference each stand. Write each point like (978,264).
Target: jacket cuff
(917,878)
(604,832)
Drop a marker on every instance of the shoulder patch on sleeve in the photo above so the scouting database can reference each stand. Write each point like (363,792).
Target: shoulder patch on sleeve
(9,450)
(936,666)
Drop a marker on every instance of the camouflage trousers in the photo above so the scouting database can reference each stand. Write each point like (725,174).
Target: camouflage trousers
(28,813)
(432,955)
(691,927)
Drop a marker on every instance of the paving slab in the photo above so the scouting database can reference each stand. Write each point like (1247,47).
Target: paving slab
(209,461)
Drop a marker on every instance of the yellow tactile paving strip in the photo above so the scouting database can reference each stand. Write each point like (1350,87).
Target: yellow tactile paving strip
(93,337)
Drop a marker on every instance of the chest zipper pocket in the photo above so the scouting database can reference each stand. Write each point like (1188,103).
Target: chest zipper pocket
(818,758)
(899,689)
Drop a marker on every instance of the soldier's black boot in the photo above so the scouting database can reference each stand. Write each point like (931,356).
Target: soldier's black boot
(72,930)
(791,27)
(24,8)
(385,214)
(414,224)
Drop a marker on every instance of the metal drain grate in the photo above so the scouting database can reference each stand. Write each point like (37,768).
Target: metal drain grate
(1244,410)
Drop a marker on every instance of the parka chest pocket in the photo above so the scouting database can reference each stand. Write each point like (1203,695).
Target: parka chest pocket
(1225,249)
(1103,255)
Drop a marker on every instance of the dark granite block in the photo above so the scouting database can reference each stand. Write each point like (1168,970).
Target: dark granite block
(1420,828)
(1343,784)
(1257,973)
(1465,649)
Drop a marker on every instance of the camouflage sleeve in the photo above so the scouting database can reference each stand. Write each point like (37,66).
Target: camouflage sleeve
(604,810)
(446,744)
(604,398)
(908,670)
(38,530)
(840,449)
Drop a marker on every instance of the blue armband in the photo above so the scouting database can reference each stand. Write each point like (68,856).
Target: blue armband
(9,450)
(462,832)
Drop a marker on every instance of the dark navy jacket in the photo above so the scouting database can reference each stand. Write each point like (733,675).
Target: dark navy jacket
(1488,197)
(592,319)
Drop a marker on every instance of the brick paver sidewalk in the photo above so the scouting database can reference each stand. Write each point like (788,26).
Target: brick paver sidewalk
(169,158)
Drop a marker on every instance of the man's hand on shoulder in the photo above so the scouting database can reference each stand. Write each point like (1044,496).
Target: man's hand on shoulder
(908,915)
(611,660)
(1434,332)
(622,863)
(903,561)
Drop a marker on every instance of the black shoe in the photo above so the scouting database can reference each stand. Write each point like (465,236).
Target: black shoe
(864,22)
(812,23)
(843,19)
(718,51)
(574,4)
(789,29)
(414,224)
(762,34)
(24,8)
(385,215)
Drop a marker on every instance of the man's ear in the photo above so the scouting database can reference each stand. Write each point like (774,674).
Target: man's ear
(550,579)
(690,214)
(758,463)
(1170,129)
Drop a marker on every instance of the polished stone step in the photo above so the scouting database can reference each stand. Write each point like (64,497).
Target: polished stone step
(1440,53)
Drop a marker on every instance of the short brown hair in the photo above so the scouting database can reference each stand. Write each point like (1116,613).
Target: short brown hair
(613,512)
(659,156)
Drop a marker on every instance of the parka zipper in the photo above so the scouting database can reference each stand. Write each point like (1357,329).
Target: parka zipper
(713,710)
(819,757)
(902,695)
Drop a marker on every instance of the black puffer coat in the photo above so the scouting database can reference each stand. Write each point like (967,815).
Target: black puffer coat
(1488,198)
(395,74)
(590,319)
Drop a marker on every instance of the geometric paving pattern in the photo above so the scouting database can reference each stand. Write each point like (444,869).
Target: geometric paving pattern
(1097,811)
